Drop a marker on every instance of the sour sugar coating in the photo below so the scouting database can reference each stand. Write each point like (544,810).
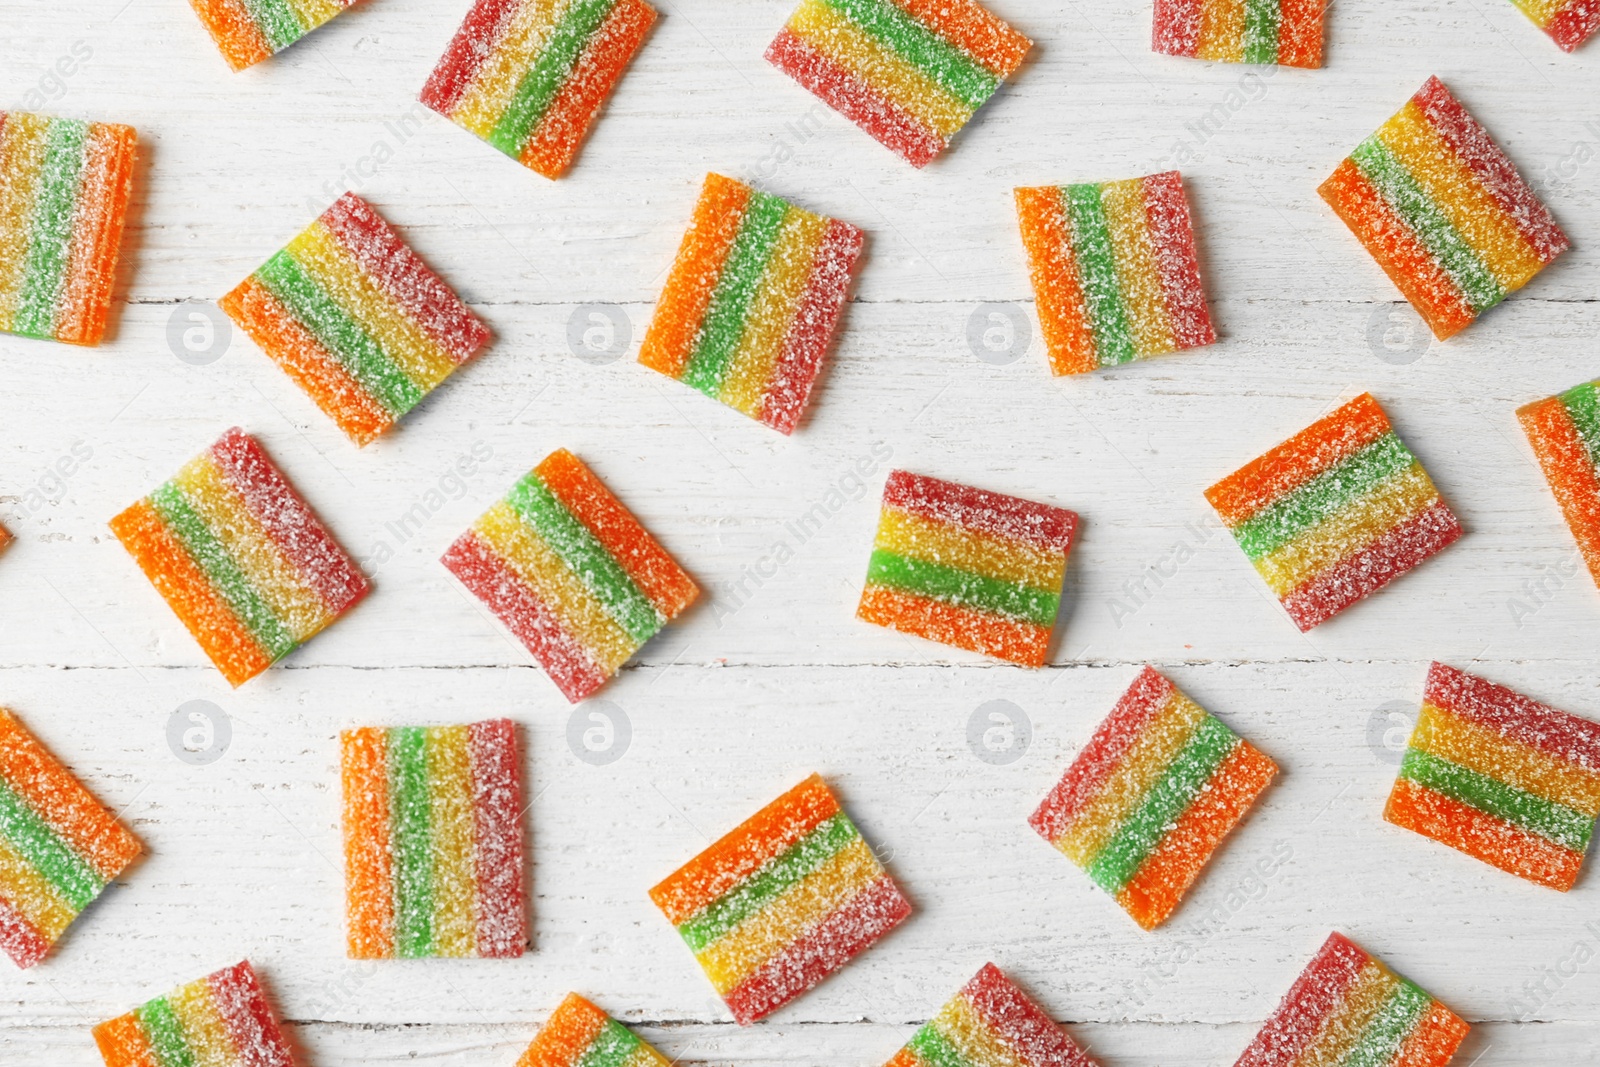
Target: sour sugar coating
(59,846)
(1151,796)
(248,31)
(5,537)
(1500,777)
(239,557)
(530,76)
(1285,32)
(966,567)
(222,1020)
(909,72)
(991,1023)
(782,902)
(1565,433)
(752,302)
(1114,270)
(1443,211)
(578,1034)
(571,573)
(64,187)
(433,841)
(1568,22)
(1348,1008)
(1335,513)
(356,319)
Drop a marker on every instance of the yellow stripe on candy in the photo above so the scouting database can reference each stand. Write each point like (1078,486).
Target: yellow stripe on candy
(492,90)
(204,1030)
(1541,11)
(1461,196)
(972,1038)
(783,285)
(1138,277)
(1158,745)
(735,956)
(417,355)
(912,536)
(313,13)
(1489,753)
(561,591)
(270,573)
(1395,500)
(1350,1018)
(1222,30)
(645,1056)
(898,81)
(22,148)
(26,890)
(450,815)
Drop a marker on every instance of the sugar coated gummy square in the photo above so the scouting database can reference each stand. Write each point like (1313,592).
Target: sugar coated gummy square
(752,301)
(578,1033)
(1335,513)
(59,846)
(571,573)
(529,76)
(1500,777)
(222,1020)
(909,72)
(1285,32)
(1347,1007)
(1443,211)
(356,319)
(64,188)
(248,31)
(239,557)
(1114,270)
(433,841)
(1568,22)
(1565,433)
(1151,797)
(781,902)
(991,1023)
(966,567)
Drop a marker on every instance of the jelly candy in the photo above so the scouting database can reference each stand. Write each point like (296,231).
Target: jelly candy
(1285,32)
(1568,22)
(991,1023)
(578,1034)
(248,31)
(222,1020)
(1565,433)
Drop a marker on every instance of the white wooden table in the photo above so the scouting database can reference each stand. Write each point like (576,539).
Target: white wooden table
(755,689)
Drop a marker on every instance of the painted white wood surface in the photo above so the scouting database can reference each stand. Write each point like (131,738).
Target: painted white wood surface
(754,689)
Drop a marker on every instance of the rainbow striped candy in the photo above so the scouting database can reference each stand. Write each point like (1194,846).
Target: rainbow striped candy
(1565,433)
(1348,1008)
(909,72)
(1500,777)
(222,1020)
(433,841)
(1114,269)
(356,318)
(248,31)
(1285,32)
(774,907)
(1568,22)
(1443,211)
(64,188)
(571,573)
(578,1034)
(752,301)
(529,76)
(1335,513)
(59,846)
(1151,796)
(991,1023)
(967,567)
(239,557)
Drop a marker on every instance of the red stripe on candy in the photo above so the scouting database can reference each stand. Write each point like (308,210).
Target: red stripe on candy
(1019,1021)
(248,1018)
(1574,24)
(1313,997)
(1041,525)
(1176,29)
(502,919)
(1172,233)
(807,340)
(19,938)
(1550,730)
(471,47)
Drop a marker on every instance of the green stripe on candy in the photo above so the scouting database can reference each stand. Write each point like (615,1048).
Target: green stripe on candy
(222,571)
(1179,784)
(755,893)
(944,64)
(933,1049)
(611,1047)
(1323,497)
(963,588)
(1263,21)
(165,1034)
(550,71)
(1583,408)
(33,839)
(736,289)
(341,335)
(276,21)
(585,557)
(1097,267)
(1384,1035)
(50,240)
(1554,822)
(412,835)
(1400,190)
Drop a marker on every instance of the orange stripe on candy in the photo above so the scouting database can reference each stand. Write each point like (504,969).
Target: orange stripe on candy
(1434,1040)
(993,635)
(1063,317)
(566,1036)
(97,233)
(122,1043)
(1482,836)
(1300,32)
(676,324)
(974,30)
(1569,468)
(235,31)
(369,886)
